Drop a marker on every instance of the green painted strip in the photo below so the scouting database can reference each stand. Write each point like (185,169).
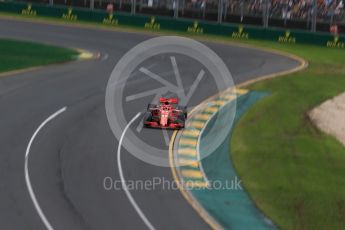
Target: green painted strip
(231,207)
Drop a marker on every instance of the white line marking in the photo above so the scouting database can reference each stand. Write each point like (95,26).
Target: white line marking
(26,169)
(123,182)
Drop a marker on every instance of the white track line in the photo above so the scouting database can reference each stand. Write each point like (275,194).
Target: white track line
(26,169)
(123,182)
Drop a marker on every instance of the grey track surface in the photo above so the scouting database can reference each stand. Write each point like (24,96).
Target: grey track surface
(74,153)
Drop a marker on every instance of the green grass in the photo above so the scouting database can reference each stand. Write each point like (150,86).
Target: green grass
(18,55)
(293,172)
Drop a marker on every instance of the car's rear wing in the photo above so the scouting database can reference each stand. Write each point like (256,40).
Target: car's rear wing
(169,100)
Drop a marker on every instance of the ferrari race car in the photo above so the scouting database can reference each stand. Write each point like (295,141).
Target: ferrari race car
(165,115)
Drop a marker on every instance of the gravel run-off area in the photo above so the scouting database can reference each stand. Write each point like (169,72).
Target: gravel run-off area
(330,117)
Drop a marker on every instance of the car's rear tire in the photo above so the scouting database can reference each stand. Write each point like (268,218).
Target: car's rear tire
(147,117)
(184,110)
(151,106)
(181,120)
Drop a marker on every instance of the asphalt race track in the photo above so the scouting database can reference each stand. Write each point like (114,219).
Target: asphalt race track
(72,154)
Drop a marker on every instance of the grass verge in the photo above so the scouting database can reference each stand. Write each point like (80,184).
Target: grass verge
(292,171)
(18,55)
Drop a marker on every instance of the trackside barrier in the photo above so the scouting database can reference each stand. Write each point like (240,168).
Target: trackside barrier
(179,25)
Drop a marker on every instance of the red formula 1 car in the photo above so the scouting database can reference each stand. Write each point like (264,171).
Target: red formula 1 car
(166,115)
